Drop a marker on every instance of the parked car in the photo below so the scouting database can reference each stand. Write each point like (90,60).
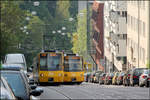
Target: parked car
(19,84)
(135,74)
(101,78)
(91,78)
(126,78)
(18,59)
(120,78)
(97,75)
(114,80)
(86,76)
(6,91)
(108,78)
(144,79)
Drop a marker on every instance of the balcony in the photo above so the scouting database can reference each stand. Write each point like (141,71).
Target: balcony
(119,5)
(119,26)
(120,48)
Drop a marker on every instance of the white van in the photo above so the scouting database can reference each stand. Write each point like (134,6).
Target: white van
(17,58)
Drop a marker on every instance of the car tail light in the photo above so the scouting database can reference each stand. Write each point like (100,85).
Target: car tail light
(135,77)
(149,79)
(128,75)
(102,78)
(120,78)
(144,76)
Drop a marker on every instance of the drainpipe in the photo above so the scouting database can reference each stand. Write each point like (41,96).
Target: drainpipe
(148,34)
(138,31)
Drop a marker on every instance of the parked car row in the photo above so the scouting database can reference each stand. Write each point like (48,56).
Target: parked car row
(136,76)
(15,82)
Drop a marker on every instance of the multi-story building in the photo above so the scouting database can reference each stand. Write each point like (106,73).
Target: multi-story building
(98,33)
(138,29)
(115,30)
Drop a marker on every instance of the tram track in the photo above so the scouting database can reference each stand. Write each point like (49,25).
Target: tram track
(60,92)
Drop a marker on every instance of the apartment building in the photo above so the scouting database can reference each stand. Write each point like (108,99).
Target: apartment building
(98,33)
(138,37)
(115,35)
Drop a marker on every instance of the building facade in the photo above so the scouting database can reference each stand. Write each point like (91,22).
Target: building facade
(98,33)
(138,26)
(115,38)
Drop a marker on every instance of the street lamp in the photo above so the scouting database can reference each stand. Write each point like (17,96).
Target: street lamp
(63,33)
(71,19)
(59,31)
(33,13)
(27,33)
(27,18)
(25,27)
(53,32)
(36,3)
(63,28)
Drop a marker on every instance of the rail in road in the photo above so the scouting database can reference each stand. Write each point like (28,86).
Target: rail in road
(94,91)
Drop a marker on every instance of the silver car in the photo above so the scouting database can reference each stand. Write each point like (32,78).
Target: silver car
(6,91)
(144,79)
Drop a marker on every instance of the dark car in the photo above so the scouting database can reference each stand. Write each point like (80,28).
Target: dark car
(101,78)
(108,78)
(91,78)
(86,76)
(135,74)
(120,78)
(144,79)
(19,84)
(126,78)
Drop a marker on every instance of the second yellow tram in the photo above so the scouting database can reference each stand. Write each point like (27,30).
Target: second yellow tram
(73,68)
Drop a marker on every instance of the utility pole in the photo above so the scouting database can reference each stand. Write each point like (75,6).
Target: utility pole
(138,31)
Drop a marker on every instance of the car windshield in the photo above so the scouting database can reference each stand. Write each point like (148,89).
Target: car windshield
(147,71)
(16,82)
(139,71)
(73,64)
(50,62)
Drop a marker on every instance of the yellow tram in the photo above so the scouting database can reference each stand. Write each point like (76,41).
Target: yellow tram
(48,67)
(73,68)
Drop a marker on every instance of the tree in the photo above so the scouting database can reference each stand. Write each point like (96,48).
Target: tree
(11,18)
(80,37)
(148,64)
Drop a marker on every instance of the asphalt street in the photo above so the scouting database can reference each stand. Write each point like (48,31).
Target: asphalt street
(94,91)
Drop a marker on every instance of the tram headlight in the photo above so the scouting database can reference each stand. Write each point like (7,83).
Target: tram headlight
(42,75)
(59,74)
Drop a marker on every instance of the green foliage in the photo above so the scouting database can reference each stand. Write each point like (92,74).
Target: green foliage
(148,64)
(11,18)
(80,37)
(62,10)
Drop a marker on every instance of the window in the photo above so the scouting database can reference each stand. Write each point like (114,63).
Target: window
(143,55)
(143,29)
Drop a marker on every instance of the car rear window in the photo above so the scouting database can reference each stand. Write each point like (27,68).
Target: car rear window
(16,82)
(139,71)
(14,59)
